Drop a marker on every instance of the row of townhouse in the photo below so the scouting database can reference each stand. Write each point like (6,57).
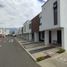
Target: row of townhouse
(50,26)
(31,29)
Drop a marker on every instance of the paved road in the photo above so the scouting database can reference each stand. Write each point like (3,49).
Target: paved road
(13,55)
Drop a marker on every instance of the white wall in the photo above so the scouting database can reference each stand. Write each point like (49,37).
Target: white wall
(26,27)
(1,31)
(63,20)
(64,38)
(46,40)
(47,19)
(30,37)
(27,31)
(63,12)
(36,37)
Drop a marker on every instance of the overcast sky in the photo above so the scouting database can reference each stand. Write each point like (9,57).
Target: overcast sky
(13,13)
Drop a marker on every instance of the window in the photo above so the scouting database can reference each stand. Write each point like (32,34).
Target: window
(40,24)
(40,17)
(29,26)
(55,13)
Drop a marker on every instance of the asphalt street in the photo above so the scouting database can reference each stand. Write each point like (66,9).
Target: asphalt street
(13,55)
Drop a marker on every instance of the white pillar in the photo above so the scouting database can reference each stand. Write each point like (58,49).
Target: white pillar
(30,37)
(64,38)
(46,38)
(36,37)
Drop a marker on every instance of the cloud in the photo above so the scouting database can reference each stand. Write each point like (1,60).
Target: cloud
(15,12)
(41,1)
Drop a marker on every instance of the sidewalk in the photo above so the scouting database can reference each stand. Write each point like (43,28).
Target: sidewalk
(50,62)
(58,61)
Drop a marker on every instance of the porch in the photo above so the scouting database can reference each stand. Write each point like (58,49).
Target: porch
(54,37)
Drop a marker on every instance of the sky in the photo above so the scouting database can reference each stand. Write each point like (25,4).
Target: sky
(13,13)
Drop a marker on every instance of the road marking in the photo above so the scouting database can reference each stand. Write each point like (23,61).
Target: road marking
(11,40)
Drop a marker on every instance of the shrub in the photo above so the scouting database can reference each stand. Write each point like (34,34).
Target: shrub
(61,50)
(42,58)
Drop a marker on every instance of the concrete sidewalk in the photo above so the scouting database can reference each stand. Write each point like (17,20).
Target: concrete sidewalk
(57,61)
(54,61)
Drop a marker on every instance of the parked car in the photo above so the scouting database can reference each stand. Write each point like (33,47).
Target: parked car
(14,35)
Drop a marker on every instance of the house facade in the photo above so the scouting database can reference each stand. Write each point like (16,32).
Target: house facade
(27,30)
(35,28)
(54,22)
(31,29)
(4,31)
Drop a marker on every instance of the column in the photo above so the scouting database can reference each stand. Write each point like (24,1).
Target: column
(36,37)
(30,37)
(46,38)
(64,38)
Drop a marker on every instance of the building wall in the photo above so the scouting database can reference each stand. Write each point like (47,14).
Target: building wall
(26,28)
(47,20)
(36,37)
(1,31)
(35,24)
(63,11)
(46,40)
(30,37)
(64,38)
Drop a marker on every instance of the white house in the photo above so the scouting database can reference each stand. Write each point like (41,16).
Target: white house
(27,30)
(7,31)
(1,31)
(4,31)
(54,22)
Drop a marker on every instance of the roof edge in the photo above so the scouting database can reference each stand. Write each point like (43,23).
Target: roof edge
(45,3)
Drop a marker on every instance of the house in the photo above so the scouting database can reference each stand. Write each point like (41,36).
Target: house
(7,31)
(27,33)
(31,29)
(54,22)
(35,28)
(4,31)
(41,32)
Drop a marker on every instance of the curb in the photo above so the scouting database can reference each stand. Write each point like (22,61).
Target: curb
(25,49)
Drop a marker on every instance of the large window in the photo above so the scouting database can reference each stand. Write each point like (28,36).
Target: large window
(55,13)
(29,26)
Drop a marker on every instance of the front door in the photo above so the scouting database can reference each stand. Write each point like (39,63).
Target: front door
(59,36)
(49,36)
(41,36)
(32,36)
